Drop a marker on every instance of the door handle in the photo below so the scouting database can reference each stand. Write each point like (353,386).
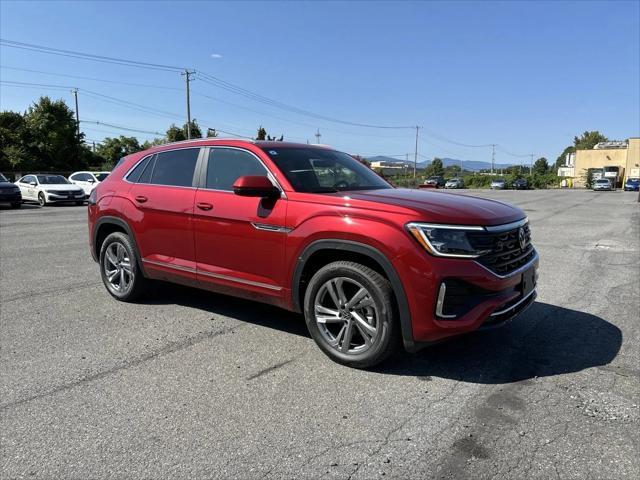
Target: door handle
(141,199)
(204,206)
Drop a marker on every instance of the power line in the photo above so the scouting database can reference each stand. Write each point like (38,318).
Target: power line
(94,79)
(119,127)
(87,56)
(11,83)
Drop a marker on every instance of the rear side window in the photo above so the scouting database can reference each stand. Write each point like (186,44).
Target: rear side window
(134,175)
(175,167)
(226,165)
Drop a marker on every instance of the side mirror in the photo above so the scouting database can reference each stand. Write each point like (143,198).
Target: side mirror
(33,184)
(255,186)
(91,180)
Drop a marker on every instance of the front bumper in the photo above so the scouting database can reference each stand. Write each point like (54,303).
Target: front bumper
(477,298)
(11,197)
(55,197)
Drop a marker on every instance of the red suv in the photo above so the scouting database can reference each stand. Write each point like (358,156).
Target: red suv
(312,230)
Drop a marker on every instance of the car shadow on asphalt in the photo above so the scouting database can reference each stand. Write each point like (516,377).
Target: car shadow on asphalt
(546,340)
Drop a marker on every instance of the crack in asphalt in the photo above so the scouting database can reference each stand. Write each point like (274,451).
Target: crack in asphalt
(168,349)
(270,369)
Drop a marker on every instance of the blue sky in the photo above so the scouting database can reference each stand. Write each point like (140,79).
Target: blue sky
(527,76)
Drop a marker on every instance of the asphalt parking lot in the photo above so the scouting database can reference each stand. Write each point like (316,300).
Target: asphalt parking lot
(187,384)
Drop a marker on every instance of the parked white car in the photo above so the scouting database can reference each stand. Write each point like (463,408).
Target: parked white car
(49,189)
(87,180)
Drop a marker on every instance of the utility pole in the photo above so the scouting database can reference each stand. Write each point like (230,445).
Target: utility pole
(318,135)
(75,95)
(493,156)
(187,74)
(531,165)
(415,158)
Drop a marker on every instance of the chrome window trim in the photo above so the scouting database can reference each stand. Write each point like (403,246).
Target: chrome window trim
(270,175)
(522,300)
(124,177)
(212,275)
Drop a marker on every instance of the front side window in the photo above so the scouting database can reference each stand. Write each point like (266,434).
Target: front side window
(101,176)
(175,167)
(226,165)
(80,177)
(51,179)
(316,170)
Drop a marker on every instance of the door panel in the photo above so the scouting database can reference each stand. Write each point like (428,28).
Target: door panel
(163,216)
(239,240)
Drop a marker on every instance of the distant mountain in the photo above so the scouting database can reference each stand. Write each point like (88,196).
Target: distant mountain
(472,165)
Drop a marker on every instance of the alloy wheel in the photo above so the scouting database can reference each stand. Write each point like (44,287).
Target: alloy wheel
(346,315)
(117,268)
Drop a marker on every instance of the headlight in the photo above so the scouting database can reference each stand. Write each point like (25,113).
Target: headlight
(446,240)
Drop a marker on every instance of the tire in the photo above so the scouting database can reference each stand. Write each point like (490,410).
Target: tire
(42,200)
(16,205)
(371,322)
(119,261)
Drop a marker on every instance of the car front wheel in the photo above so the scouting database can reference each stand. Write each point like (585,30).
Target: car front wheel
(349,311)
(42,200)
(119,268)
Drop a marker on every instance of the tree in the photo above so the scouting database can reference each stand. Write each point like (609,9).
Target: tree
(153,143)
(562,158)
(436,168)
(113,149)
(541,166)
(262,134)
(52,131)
(588,140)
(175,134)
(14,141)
(195,129)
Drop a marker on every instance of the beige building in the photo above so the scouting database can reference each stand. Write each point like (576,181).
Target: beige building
(624,155)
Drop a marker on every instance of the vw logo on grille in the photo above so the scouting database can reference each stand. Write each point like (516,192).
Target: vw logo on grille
(522,238)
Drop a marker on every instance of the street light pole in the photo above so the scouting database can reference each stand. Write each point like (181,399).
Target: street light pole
(415,158)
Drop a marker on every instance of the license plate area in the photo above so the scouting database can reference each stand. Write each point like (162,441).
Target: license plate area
(528,283)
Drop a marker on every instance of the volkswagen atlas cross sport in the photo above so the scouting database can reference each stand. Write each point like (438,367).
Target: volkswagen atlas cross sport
(312,230)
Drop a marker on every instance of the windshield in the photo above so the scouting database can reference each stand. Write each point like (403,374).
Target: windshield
(3,178)
(101,176)
(52,179)
(316,170)
(602,181)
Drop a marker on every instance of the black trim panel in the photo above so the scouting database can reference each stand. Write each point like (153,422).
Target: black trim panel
(121,223)
(375,254)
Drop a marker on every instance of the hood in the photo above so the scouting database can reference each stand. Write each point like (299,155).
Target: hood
(60,186)
(7,186)
(441,207)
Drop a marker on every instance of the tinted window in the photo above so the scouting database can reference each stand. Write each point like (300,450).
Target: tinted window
(27,179)
(226,165)
(319,170)
(134,175)
(81,177)
(52,179)
(101,176)
(175,167)
(3,178)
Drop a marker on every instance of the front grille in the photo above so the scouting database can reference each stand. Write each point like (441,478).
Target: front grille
(505,254)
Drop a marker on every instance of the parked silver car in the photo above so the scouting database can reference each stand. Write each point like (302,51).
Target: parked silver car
(454,183)
(601,184)
(498,184)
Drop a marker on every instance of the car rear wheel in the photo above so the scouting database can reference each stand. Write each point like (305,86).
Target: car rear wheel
(42,201)
(119,268)
(349,311)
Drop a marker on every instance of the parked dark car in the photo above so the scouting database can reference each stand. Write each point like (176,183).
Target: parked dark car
(632,185)
(9,193)
(312,230)
(520,184)
(434,182)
